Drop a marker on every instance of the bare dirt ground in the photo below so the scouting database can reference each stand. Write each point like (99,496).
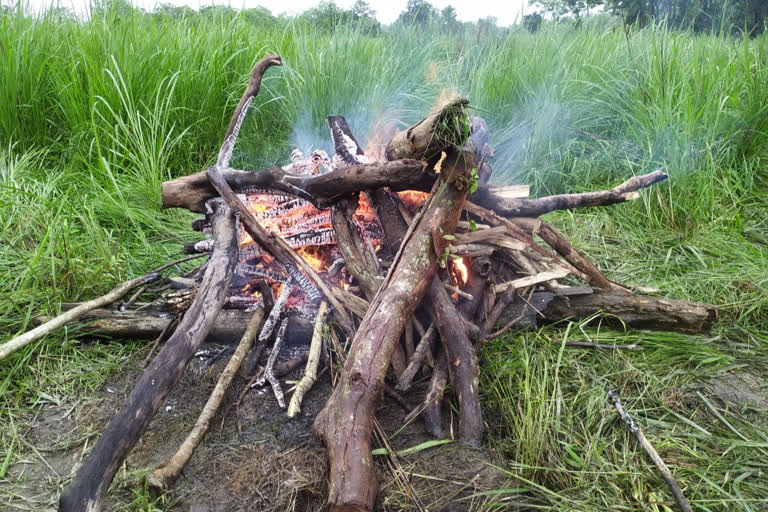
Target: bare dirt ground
(254,457)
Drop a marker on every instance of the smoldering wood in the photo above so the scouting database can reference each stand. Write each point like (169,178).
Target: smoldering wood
(345,424)
(293,264)
(90,484)
(358,259)
(191,192)
(269,370)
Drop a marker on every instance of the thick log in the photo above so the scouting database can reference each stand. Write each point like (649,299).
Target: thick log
(148,322)
(87,490)
(346,422)
(55,323)
(191,192)
(462,363)
(637,311)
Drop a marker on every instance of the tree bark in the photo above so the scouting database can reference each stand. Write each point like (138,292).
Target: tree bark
(191,192)
(636,311)
(90,485)
(462,363)
(536,207)
(346,422)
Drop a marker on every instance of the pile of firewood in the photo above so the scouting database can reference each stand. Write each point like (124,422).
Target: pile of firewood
(420,297)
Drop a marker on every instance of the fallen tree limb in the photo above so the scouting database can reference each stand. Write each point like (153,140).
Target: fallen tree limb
(636,431)
(92,480)
(345,424)
(637,311)
(167,472)
(55,323)
(627,191)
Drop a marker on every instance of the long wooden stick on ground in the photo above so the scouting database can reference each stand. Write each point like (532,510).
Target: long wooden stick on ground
(167,472)
(51,325)
(674,487)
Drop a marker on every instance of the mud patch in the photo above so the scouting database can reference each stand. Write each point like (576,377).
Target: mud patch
(253,458)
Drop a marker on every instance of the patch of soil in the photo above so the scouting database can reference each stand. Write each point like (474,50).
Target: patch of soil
(253,458)
(742,390)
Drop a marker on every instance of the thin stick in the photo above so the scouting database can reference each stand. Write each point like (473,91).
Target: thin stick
(276,313)
(527,281)
(51,325)
(310,373)
(269,370)
(167,472)
(458,291)
(615,400)
(404,382)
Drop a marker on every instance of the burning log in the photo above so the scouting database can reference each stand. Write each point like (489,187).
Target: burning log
(345,424)
(192,192)
(92,480)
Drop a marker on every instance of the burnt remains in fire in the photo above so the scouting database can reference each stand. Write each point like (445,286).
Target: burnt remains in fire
(415,257)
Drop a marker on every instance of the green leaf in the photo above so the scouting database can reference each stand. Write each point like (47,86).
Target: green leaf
(413,449)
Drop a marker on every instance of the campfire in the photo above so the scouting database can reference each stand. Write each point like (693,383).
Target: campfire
(392,265)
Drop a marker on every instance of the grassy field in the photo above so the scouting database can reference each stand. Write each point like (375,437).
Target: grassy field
(94,116)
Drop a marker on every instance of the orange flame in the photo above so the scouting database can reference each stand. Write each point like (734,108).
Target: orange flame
(461,271)
(311,255)
(413,198)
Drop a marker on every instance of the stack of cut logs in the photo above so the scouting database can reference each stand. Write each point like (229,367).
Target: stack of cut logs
(420,297)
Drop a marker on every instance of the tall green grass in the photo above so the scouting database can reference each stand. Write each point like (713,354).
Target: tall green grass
(95,115)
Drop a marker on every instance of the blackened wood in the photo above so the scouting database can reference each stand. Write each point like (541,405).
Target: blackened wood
(462,363)
(293,264)
(357,257)
(90,485)
(191,192)
(346,422)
